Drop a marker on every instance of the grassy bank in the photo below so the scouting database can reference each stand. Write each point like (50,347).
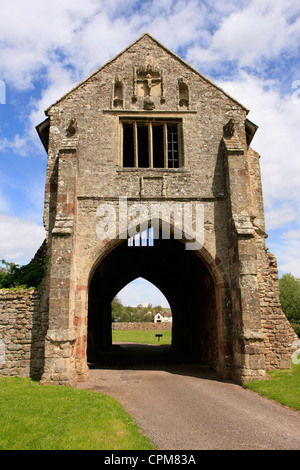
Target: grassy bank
(39,417)
(142,336)
(283,387)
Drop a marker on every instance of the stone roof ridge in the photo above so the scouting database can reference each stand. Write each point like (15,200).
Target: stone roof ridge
(145,35)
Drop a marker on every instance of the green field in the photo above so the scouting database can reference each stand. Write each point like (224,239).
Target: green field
(40,417)
(142,336)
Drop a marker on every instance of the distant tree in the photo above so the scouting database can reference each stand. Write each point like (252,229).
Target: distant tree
(290,297)
(158,308)
(118,311)
(148,317)
(121,313)
(134,314)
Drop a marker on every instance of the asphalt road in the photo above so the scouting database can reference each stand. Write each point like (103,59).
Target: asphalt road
(186,407)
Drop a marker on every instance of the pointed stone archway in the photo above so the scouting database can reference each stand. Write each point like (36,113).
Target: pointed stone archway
(185,280)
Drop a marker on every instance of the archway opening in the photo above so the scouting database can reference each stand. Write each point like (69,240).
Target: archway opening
(141,324)
(184,279)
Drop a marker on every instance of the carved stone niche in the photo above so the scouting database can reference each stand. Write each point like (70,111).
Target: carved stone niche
(148,83)
(118,99)
(183,92)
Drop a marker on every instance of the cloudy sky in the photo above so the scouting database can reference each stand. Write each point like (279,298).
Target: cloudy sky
(251,48)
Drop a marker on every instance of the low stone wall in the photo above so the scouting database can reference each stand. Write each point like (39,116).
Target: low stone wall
(142,326)
(22,333)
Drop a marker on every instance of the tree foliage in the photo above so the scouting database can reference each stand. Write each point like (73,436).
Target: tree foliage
(12,275)
(121,313)
(290,297)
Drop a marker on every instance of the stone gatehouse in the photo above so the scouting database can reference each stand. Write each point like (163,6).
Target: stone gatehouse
(147,145)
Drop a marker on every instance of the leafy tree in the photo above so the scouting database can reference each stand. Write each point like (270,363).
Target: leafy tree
(29,275)
(290,297)
(148,317)
(121,313)
(118,312)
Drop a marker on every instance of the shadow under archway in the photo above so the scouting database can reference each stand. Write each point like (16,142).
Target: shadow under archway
(184,280)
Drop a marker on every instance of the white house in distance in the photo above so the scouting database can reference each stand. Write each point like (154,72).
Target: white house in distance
(163,317)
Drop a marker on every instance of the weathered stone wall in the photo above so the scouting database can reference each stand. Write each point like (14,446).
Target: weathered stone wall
(22,333)
(145,326)
(279,335)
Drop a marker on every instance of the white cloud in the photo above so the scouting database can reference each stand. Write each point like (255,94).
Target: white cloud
(19,239)
(287,253)
(186,22)
(32,34)
(277,141)
(291,235)
(85,34)
(277,138)
(280,216)
(18,145)
(261,30)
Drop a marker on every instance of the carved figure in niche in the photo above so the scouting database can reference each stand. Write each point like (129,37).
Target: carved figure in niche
(150,83)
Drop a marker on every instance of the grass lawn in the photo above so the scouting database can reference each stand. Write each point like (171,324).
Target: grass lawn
(141,336)
(40,417)
(283,386)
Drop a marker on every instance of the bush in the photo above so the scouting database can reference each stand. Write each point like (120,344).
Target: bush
(296,327)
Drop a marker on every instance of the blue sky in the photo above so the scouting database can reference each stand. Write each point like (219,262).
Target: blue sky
(249,48)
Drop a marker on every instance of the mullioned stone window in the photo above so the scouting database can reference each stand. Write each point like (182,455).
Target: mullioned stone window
(151,144)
